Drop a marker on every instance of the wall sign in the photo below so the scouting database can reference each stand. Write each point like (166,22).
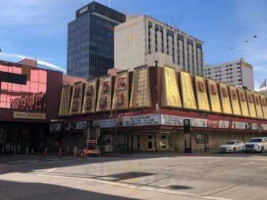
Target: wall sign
(141,120)
(28,115)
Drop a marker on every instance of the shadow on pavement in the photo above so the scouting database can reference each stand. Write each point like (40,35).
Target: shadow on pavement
(30,191)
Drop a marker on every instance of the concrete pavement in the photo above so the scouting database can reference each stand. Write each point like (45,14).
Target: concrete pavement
(141,176)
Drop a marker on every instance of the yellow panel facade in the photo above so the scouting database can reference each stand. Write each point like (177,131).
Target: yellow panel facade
(243,102)
(234,100)
(65,100)
(140,96)
(77,98)
(188,95)
(121,91)
(201,94)
(89,100)
(215,103)
(225,99)
(264,105)
(251,105)
(104,94)
(170,96)
(257,102)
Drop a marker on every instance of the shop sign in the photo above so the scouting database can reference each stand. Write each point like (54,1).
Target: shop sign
(55,127)
(239,125)
(141,120)
(172,120)
(224,124)
(264,127)
(29,115)
(254,126)
(80,125)
(105,123)
(197,122)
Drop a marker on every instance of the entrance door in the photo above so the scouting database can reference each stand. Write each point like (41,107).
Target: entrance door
(150,143)
(163,142)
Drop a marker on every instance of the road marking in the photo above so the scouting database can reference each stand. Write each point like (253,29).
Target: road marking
(149,188)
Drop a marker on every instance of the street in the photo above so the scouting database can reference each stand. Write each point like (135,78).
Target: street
(140,176)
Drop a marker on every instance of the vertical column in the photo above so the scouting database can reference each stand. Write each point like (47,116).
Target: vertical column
(159,34)
(152,39)
(195,57)
(186,65)
(170,45)
(165,40)
(175,49)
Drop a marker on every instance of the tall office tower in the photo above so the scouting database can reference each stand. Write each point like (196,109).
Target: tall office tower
(91,40)
(238,72)
(142,40)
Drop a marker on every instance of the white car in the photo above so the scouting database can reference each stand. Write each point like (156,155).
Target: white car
(232,146)
(257,144)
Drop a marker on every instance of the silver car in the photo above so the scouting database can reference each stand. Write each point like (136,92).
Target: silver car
(231,146)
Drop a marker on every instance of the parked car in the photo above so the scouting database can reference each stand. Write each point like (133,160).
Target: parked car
(257,144)
(232,146)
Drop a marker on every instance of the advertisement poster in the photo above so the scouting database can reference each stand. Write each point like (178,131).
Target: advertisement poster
(170,92)
(264,105)
(121,91)
(104,94)
(76,100)
(141,95)
(251,105)
(215,104)
(234,100)
(243,102)
(201,94)
(65,100)
(188,95)
(89,99)
(225,99)
(257,102)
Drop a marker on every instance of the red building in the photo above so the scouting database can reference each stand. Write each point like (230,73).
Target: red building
(26,109)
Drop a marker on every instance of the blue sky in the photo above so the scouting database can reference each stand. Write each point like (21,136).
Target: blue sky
(38,28)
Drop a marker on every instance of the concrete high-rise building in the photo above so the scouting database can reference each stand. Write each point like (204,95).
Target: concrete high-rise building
(142,40)
(91,40)
(238,72)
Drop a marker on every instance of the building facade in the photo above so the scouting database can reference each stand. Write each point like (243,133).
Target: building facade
(238,72)
(142,40)
(29,99)
(91,40)
(144,109)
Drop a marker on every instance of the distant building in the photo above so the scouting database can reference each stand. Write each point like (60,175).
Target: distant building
(238,72)
(142,40)
(91,40)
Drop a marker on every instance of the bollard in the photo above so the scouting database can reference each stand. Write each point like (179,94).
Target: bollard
(27,151)
(60,152)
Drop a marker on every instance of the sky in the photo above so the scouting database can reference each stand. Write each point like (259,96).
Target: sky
(38,28)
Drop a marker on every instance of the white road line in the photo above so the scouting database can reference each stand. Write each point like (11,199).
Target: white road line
(149,188)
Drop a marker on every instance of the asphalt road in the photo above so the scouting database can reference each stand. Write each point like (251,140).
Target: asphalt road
(143,176)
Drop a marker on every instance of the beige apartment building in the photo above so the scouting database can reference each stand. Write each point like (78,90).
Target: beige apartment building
(238,72)
(142,40)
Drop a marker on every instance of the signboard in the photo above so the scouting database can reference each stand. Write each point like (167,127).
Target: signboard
(29,115)
(65,100)
(254,126)
(55,127)
(234,100)
(105,123)
(77,97)
(170,96)
(141,96)
(141,120)
(188,95)
(104,94)
(89,99)
(243,102)
(121,91)
(251,105)
(172,120)
(201,94)
(239,125)
(264,127)
(215,104)
(225,99)
(264,105)
(224,124)
(258,107)
(80,125)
